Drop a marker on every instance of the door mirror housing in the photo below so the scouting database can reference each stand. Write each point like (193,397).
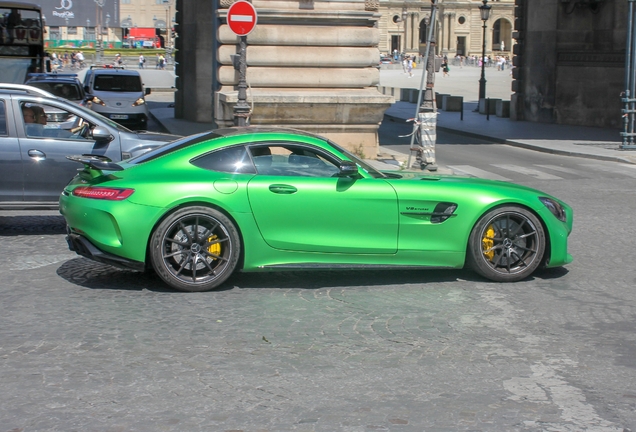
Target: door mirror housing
(102,135)
(347,169)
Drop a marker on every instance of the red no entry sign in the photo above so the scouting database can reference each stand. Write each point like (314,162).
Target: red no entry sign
(241,17)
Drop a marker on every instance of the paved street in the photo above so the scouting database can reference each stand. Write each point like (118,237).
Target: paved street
(86,347)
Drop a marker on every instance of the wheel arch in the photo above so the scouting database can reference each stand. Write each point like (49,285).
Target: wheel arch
(548,242)
(180,206)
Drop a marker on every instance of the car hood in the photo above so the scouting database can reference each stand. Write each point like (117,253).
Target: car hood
(404,178)
(154,136)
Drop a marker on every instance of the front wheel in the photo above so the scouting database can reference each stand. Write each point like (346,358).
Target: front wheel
(507,244)
(195,249)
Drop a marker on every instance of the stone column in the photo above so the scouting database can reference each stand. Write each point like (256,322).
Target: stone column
(193,98)
(452,35)
(311,65)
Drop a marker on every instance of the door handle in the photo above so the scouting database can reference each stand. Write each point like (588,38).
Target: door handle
(282,189)
(36,154)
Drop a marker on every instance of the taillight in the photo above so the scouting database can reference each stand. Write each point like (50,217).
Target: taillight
(110,194)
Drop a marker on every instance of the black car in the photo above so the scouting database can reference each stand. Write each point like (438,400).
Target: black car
(67,86)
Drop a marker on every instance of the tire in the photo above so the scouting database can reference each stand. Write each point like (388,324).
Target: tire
(195,249)
(507,244)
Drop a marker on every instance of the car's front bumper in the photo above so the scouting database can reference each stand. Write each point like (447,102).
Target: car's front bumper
(126,119)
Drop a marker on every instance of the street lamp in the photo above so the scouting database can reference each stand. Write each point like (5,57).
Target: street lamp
(107,26)
(484,10)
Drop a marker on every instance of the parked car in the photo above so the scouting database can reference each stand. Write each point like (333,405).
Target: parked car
(38,130)
(260,199)
(67,86)
(118,94)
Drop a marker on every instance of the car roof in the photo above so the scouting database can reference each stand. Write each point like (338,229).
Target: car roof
(24,89)
(58,78)
(111,71)
(225,132)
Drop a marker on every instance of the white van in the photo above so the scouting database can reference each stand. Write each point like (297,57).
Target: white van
(119,95)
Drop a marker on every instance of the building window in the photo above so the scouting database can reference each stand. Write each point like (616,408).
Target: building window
(125,1)
(54,33)
(461,20)
(71,30)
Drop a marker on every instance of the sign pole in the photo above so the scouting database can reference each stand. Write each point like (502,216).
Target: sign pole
(241,18)
(242,108)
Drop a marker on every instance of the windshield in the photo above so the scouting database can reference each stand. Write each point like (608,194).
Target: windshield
(117,83)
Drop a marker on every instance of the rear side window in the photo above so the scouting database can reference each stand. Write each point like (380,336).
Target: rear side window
(3,119)
(117,83)
(230,160)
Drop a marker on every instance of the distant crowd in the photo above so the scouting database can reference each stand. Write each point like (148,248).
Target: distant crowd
(66,60)
(409,61)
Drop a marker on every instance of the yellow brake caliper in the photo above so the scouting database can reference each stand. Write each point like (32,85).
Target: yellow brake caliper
(488,242)
(214,249)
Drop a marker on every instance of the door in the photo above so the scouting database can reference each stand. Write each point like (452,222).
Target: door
(48,133)
(298,205)
(461,46)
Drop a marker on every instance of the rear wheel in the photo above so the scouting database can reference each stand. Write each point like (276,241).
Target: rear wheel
(507,244)
(195,249)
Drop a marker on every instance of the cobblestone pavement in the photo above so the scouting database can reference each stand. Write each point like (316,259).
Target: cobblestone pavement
(86,347)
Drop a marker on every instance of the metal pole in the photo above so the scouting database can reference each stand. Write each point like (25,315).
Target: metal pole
(242,108)
(428,67)
(627,95)
(482,80)
(632,81)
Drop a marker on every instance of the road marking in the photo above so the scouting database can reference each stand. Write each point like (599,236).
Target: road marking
(476,172)
(539,175)
(627,170)
(564,170)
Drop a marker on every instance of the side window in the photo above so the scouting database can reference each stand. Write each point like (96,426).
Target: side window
(3,118)
(291,160)
(230,160)
(47,121)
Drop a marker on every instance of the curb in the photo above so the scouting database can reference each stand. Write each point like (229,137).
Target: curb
(527,146)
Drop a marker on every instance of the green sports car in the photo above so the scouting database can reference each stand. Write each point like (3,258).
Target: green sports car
(257,199)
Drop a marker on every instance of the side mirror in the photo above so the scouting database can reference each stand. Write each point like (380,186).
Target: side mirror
(101,134)
(147,91)
(348,169)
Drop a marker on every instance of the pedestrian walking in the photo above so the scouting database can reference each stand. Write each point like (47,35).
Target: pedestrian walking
(142,60)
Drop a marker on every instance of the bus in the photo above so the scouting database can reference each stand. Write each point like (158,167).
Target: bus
(21,41)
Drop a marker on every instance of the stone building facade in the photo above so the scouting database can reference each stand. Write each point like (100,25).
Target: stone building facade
(311,65)
(458,27)
(570,61)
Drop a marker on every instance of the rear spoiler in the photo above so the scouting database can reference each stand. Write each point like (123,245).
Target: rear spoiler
(96,162)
